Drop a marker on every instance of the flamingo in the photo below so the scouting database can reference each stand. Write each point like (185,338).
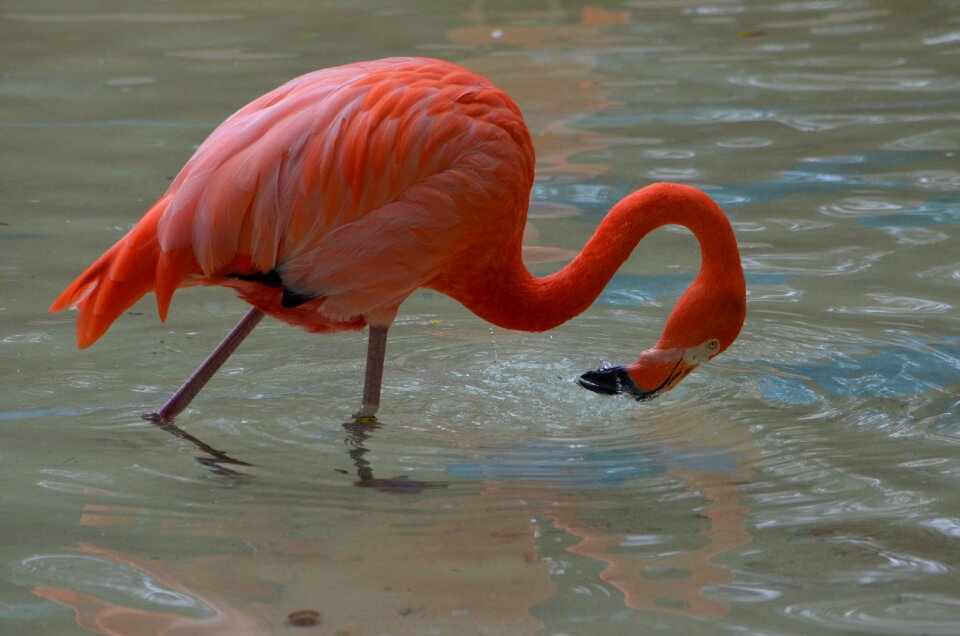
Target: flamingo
(327,201)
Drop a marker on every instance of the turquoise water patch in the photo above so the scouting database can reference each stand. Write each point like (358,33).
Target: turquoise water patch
(626,290)
(887,372)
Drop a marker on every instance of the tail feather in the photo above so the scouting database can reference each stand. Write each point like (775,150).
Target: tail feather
(132,267)
(172,268)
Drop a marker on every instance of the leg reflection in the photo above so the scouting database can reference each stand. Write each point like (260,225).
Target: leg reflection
(358,432)
(215,460)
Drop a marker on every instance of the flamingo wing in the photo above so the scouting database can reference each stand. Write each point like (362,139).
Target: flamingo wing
(354,185)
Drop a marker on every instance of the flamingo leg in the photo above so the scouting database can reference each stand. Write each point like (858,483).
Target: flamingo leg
(185,394)
(376,350)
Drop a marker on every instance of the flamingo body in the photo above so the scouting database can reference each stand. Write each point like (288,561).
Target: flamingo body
(326,202)
(355,184)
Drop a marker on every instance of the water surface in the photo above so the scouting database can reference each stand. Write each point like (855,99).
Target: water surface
(804,482)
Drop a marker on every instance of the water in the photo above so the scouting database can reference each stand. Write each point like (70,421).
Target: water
(804,482)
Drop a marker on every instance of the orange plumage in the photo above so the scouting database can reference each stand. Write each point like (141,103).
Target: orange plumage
(334,179)
(329,200)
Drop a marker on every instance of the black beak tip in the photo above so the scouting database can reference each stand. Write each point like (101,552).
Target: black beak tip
(612,381)
(600,381)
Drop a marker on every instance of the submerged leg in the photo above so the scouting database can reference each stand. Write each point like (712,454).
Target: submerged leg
(185,394)
(376,349)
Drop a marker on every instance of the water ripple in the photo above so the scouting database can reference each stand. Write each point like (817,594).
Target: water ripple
(868,206)
(940,180)
(905,613)
(945,272)
(743,593)
(674,174)
(832,82)
(892,305)
(745,142)
(28,338)
(941,139)
(823,122)
(108,577)
(893,565)
(916,235)
(837,261)
(665,153)
(949,527)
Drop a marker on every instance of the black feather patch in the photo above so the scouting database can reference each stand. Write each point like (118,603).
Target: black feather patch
(294,299)
(272,279)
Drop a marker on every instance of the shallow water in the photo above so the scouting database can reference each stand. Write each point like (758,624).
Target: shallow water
(804,482)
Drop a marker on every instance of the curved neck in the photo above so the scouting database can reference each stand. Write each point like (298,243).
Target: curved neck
(508,295)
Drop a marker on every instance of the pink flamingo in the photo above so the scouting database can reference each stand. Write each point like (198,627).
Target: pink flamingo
(326,202)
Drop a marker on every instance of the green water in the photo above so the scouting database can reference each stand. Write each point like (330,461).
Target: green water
(805,482)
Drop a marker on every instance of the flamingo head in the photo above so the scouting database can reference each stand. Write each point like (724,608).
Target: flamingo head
(705,321)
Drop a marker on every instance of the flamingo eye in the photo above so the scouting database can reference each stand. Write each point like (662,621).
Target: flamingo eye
(713,345)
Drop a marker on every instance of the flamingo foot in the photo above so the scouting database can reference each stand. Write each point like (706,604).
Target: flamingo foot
(366,420)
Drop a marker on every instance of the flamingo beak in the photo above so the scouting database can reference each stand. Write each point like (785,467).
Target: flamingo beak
(657,371)
(611,381)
